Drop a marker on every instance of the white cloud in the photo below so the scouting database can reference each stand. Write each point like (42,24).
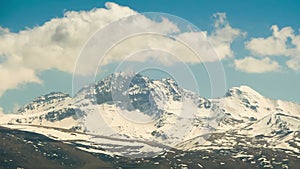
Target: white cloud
(12,77)
(283,42)
(57,43)
(294,64)
(3,30)
(272,45)
(53,45)
(253,65)
(224,35)
(190,47)
(220,38)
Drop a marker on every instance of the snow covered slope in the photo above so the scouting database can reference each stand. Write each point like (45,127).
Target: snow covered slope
(159,112)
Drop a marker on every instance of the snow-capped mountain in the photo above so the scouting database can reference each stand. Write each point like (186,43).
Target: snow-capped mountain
(157,115)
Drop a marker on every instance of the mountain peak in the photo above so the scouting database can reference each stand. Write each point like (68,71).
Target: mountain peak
(242,90)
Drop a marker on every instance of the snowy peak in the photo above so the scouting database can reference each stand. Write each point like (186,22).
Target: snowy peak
(44,100)
(274,125)
(132,91)
(241,91)
(244,99)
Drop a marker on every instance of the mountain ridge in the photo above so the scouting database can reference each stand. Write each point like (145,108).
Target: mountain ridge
(135,107)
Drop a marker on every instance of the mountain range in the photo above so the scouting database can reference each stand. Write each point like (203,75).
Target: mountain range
(133,117)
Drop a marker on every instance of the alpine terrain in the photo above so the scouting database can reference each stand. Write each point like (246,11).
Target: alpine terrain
(132,121)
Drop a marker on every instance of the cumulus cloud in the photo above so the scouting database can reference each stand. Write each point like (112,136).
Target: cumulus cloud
(119,40)
(294,64)
(13,77)
(140,33)
(283,42)
(223,35)
(3,30)
(57,43)
(253,65)
(220,38)
(53,45)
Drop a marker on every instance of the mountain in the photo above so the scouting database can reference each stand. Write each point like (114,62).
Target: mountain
(130,115)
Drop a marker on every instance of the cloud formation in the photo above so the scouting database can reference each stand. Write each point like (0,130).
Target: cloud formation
(282,43)
(53,45)
(57,43)
(223,35)
(253,65)
(139,34)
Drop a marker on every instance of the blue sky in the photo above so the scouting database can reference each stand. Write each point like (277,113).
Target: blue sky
(255,18)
